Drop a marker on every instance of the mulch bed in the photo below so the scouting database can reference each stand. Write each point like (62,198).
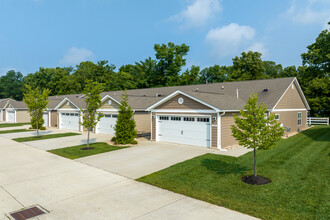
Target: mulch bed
(256,180)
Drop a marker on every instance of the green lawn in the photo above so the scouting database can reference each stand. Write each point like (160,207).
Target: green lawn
(6,125)
(43,137)
(14,131)
(77,152)
(298,169)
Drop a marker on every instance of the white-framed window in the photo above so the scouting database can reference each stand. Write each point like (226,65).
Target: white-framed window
(299,118)
(277,116)
(180,101)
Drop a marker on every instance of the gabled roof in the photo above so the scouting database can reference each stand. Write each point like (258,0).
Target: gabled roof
(219,95)
(16,104)
(63,101)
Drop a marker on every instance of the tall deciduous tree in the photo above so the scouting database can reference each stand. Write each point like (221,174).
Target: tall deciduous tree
(11,85)
(254,129)
(170,59)
(248,67)
(315,74)
(125,126)
(93,102)
(36,101)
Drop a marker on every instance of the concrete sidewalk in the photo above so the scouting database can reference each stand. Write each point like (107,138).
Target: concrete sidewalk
(72,190)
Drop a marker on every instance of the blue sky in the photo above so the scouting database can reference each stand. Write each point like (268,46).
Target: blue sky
(48,33)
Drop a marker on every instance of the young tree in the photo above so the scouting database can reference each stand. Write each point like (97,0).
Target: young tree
(125,126)
(37,102)
(254,129)
(93,102)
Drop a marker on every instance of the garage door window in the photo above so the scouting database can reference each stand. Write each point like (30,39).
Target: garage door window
(188,119)
(176,118)
(107,116)
(163,118)
(203,119)
(115,116)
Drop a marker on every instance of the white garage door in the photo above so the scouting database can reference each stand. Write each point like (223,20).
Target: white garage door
(107,124)
(70,121)
(10,116)
(45,117)
(191,130)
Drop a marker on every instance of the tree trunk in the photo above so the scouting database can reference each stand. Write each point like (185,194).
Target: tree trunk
(37,124)
(88,138)
(255,162)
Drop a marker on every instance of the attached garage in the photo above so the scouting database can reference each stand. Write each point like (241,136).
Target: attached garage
(69,121)
(190,130)
(10,116)
(107,124)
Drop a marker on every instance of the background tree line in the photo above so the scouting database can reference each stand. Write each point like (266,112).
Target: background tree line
(167,69)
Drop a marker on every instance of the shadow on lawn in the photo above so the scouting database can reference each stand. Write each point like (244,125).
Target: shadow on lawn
(222,167)
(320,135)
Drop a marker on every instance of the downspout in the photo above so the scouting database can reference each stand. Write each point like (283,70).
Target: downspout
(219,130)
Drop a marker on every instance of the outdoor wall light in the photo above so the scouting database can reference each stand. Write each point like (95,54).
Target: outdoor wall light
(214,118)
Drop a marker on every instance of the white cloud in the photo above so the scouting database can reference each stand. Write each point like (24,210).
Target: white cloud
(227,40)
(257,47)
(197,14)
(75,56)
(309,12)
(3,71)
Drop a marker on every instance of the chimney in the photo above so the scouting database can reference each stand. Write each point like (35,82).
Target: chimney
(237,93)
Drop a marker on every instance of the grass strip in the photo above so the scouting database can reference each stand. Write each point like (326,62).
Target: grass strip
(44,137)
(77,152)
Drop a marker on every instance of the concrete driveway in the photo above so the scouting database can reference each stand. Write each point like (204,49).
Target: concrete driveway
(72,190)
(149,157)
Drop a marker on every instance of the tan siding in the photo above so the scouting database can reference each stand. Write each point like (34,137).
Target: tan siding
(227,139)
(65,106)
(4,115)
(188,104)
(290,119)
(142,120)
(214,132)
(53,121)
(22,116)
(105,105)
(291,100)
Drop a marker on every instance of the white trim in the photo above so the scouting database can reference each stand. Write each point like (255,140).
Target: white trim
(218,131)
(184,115)
(182,93)
(107,96)
(289,110)
(68,109)
(183,111)
(62,102)
(303,95)
(151,125)
(107,110)
(49,119)
(283,94)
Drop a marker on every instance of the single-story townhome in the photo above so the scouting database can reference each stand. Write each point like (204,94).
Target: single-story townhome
(15,112)
(202,115)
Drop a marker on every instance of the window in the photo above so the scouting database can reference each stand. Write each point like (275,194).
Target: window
(299,118)
(203,119)
(176,118)
(115,116)
(163,118)
(277,116)
(188,118)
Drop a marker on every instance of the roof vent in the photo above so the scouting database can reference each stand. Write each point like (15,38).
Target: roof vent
(265,90)
(144,95)
(222,87)
(197,89)
(158,95)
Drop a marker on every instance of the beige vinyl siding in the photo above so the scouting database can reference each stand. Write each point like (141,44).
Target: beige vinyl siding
(290,119)
(22,116)
(188,104)
(291,99)
(4,115)
(105,104)
(227,139)
(214,132)
(53,121)
(142,120)
(66,106)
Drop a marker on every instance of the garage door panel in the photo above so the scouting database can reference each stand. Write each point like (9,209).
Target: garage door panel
(107,124)
(70,121)
(45,117)
(10,116)
(190,130)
